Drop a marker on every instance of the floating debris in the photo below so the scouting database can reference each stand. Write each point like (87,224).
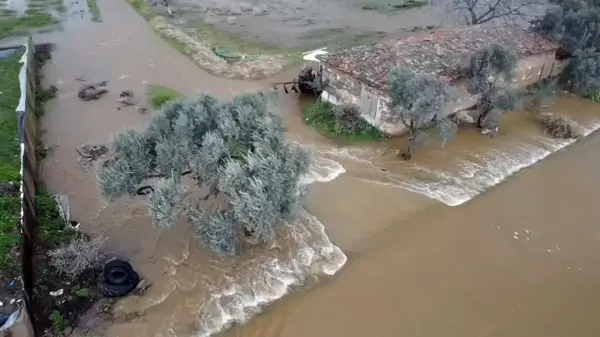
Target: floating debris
(126,97)
(94,91)
(90,153)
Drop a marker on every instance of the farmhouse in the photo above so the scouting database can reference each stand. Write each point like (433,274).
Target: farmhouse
(359,75)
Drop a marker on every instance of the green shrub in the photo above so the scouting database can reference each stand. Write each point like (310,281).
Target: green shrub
(343,122)
(160,95)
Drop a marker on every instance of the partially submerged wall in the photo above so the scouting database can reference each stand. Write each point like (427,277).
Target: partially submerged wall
(533,68)
(374,103)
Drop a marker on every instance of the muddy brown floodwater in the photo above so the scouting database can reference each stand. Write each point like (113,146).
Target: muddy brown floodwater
(517,259)
(520,260)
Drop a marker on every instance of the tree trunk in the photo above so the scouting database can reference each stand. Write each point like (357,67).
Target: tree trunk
(482,117)
(407,155)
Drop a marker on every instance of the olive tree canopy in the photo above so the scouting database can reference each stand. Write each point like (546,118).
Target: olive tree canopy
(418,102)
(234,150)
(491,71)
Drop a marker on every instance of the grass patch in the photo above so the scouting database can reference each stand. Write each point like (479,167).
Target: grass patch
(10,207)
(595,97)
(10,153)
(10,156)
(390,7)
(10,176)
(12,25)
(37,15)
(93,6)
(160,95)
(339,122)
(236,45)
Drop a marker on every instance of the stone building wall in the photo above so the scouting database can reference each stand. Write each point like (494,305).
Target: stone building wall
(373,103)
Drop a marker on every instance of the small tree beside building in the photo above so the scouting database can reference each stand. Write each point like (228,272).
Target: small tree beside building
(491,71)
(418,102)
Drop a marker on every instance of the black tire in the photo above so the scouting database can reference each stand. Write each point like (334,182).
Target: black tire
(117,275)
(120,290)
(114,265)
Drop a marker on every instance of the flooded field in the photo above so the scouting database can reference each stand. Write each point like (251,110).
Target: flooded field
(509,260)
(306,23)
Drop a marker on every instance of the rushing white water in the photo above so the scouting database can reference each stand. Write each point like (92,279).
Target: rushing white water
(243,296)
(474,178)
(307,251)
(469,177)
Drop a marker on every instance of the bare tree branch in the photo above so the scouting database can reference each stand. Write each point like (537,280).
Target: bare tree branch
(474,12)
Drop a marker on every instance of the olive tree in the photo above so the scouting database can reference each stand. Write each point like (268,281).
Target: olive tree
(246,173)
(574,23)
(418,102)
(491,71)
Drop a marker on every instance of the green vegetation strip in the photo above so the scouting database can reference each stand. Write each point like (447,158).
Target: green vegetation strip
(94,10)
(10,162)
(17,25)
(160,95)
(233,45)
(37,15)
(390,7)
(322,116)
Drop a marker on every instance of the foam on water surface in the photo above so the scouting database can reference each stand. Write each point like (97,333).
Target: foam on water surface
(472,176)
(240,299)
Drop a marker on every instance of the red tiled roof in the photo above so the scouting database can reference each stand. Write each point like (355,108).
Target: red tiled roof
(441,53)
